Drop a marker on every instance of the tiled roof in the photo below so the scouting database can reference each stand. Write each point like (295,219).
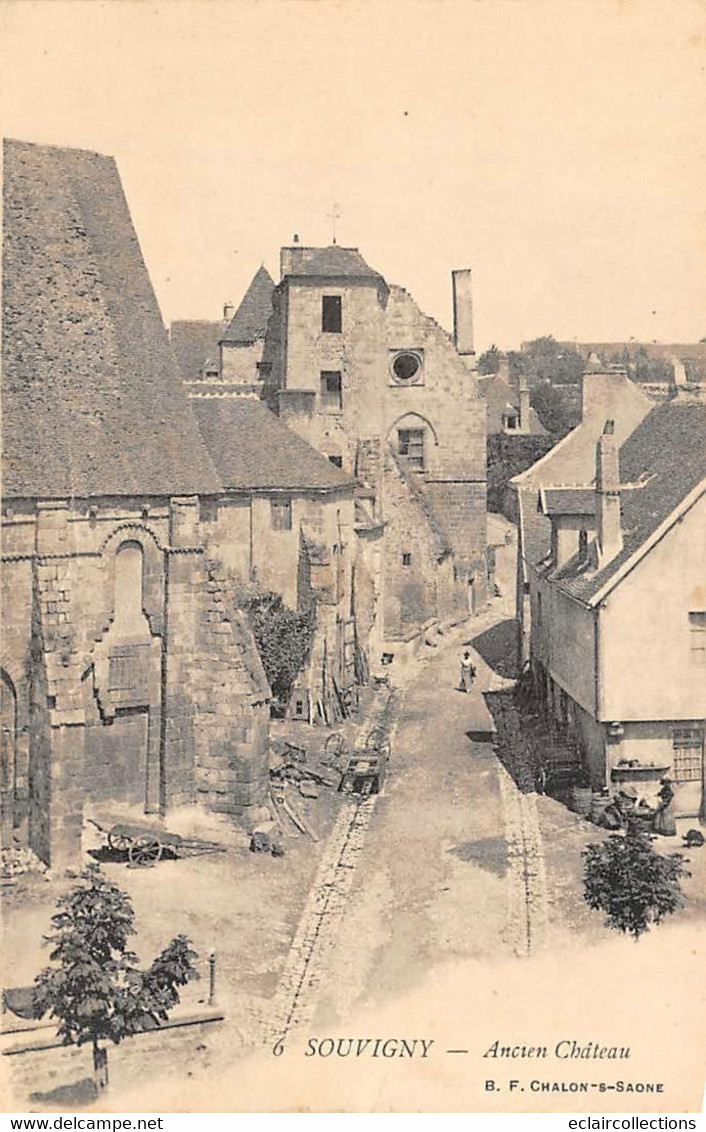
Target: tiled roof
(254,449)
(194,343)
(333,261)
(535,530)
(249,323)
(92,404)
(668,452)
(568,500)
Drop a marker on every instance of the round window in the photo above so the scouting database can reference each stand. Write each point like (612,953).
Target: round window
(406,366)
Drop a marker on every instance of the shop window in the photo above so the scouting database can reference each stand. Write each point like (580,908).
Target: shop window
(331,391)
(281,514)
(331,314)
(410,444)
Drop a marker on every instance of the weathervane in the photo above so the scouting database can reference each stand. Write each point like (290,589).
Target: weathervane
(333,216)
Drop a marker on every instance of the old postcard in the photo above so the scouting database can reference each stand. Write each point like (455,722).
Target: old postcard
(353,660)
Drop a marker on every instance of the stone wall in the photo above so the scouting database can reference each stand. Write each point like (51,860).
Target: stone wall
(442,400)
(107,695)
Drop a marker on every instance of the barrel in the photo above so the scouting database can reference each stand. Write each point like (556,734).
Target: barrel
(599,801)
(581,798)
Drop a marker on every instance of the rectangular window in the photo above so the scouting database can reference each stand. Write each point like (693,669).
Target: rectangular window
(281,514)
(337,461)
(406,559)
(410,444)
(697,639)
(688,744)
(331,391)
(331,314)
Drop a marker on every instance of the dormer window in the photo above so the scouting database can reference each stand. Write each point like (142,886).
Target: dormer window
(331,314)
(511,422)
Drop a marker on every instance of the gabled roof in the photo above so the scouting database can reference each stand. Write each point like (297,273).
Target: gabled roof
(334,261)
(249,323)
(194,343)
(667,453)
(92,404)
(502,398)
(253,449)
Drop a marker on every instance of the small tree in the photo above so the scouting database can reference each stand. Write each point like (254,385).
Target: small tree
(489,362)
(283,637)
(633,884)
(95,989)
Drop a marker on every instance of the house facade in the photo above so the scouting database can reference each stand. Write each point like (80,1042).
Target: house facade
(570,464)
(618,607)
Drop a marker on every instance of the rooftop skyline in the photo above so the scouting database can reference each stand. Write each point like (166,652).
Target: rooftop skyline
(556,149)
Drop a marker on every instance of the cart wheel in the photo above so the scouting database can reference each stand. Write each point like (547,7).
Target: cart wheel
(119,842)
(334,748)
(375,739)
(144,851)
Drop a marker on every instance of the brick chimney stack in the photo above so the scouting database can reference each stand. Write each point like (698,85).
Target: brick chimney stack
(463,310)
(524,404)
(610,536)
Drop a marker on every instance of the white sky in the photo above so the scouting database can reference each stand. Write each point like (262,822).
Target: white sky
(558,148)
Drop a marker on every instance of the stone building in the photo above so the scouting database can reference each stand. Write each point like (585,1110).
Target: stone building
(353,365)
(129,676)
(223,356)
(618,606)
(285,524)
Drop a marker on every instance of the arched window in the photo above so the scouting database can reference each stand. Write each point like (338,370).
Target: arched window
(129,617)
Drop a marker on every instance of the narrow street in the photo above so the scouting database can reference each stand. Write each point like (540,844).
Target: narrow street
(449,863)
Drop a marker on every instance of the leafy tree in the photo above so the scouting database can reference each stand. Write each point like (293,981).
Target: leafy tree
(552,409)
(633,884)
(547,360)
(94,987)
(489,362)
(283,637)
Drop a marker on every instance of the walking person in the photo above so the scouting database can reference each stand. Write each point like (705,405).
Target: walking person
(468,672)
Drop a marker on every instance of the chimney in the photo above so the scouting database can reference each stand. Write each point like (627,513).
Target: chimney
(610,537)
(228,311)
(463,310)
(524,405)
(679,378)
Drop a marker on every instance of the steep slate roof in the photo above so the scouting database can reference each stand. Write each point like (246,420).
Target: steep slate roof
(567,500)
(92,404)
(668,450)
(249,323)
(195,342)
(254,449)
(534,528)
(332,261)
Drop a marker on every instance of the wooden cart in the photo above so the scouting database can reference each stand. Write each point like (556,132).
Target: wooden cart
(145,844)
